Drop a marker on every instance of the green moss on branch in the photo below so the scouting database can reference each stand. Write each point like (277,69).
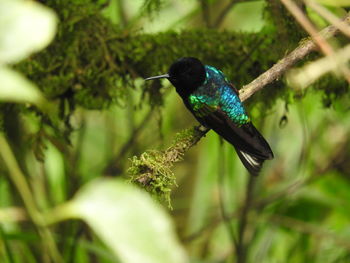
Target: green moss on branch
(152,170)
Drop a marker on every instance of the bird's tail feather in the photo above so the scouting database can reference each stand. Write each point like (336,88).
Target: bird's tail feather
(251,162)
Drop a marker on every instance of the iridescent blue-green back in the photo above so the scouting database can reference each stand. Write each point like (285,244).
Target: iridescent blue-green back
(216,93)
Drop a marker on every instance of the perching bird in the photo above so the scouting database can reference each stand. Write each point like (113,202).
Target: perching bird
(215,103)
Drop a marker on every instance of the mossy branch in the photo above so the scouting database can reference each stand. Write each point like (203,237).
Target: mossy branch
(152,170)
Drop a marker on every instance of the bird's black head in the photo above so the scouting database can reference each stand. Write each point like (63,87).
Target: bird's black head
(186,74)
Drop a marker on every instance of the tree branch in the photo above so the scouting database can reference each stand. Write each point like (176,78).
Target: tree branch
(241,249)
(205,12)
(277,70)
(221,17)
(152,170)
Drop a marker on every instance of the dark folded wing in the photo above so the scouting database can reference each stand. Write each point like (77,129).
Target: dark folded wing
(250,145)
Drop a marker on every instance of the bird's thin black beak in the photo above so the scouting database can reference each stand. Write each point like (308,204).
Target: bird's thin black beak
(158,77)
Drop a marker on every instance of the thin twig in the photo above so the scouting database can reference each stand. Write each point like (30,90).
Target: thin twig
(325,47)
(303,77)
(223,14)
(221,17)
(277,70)
(308,26)
(330,17)
(241,245)
(6,247)
(205,12)
(221,183)
(108,56)
(122,14)
(248,55)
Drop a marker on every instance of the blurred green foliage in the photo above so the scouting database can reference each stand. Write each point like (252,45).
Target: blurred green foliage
(100,119)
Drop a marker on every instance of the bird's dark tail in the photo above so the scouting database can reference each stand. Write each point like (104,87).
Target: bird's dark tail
(249,144)
(252,163)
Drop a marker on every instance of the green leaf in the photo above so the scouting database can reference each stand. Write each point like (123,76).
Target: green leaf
(25,27)
(335,2)
(16,88)
(129,221)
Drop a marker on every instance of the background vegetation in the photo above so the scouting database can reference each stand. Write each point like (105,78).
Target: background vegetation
(80,127)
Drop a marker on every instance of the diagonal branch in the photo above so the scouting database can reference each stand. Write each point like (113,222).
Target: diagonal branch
(221,17)
(277,70)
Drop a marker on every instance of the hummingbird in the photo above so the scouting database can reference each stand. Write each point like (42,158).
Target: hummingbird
(214,102)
